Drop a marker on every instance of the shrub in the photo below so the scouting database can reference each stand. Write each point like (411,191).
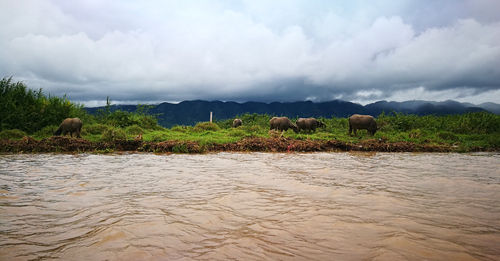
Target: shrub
(494,141)
(134,130)
(248,119)
(183,129)
(30,110)
(96,129)
(46,132)
(12,134)
(237,133)
(415,134)
(446,135)
(255,129)
(206,126)
(114,134)
(159,137)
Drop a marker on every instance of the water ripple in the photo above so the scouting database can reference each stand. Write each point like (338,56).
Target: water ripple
(250,206)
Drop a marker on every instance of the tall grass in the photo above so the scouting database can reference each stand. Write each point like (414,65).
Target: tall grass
(31,110)
(23,110)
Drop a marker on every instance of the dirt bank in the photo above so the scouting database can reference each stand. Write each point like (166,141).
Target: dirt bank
(276,144)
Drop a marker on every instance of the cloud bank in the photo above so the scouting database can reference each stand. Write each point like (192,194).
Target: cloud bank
(154,51)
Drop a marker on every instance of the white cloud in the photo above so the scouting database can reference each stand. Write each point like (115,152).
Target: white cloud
(238,50)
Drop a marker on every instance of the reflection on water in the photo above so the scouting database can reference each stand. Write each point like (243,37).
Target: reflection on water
(255,206)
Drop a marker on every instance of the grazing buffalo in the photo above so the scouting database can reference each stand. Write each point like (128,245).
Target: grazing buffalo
(70,125)
(358,122)
(237,123)
(282,124)
(309,124)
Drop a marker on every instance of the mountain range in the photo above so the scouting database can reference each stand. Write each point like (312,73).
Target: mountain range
(192,112)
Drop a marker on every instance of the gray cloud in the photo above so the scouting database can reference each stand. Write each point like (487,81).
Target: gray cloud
(154,51)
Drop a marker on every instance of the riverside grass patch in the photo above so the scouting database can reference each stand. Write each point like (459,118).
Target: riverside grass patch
(479,129)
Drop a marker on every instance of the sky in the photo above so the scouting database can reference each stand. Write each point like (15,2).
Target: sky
(237,50)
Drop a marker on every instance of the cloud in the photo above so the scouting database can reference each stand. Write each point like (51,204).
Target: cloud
(252,50)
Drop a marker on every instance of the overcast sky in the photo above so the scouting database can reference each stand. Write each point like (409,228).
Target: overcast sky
(263,50)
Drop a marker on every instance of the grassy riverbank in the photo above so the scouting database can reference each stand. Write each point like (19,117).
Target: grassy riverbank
(29,118)
(398,132)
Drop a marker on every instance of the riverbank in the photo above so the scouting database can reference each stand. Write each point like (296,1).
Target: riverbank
(248,144)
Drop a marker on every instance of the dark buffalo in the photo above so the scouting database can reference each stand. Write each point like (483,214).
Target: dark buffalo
(237,123)
(282,124)
(359,122)
(70,125)
(309,124)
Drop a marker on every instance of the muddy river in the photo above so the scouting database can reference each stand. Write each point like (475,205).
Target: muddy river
(250,206)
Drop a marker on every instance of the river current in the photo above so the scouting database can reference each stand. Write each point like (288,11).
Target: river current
(250,206)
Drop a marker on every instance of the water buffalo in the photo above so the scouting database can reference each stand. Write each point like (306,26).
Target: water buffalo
(359,122)
(309,124)
(70,125)
(237,123)
(282,124)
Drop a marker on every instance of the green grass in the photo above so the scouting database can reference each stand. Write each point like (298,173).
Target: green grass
(466,131)
(27,112)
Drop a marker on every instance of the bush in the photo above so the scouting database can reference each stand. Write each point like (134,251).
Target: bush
(494,141)
(134,130)
(121,119)
(206,126)
(183,129)
(255,129)
(12,134)
(114,134)
(247,119)
(237,133)
(46,132)
(415,134)
(148,122)
(159,137)
(30,110)
(96,129)
(446,135)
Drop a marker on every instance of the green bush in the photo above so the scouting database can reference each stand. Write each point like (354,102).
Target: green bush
(96,129)
(121,119)
(46,132)
(114,134)
(247,119)
(206,126)
(30,110)
(183,129)
(446,135)
(159,137)
(415,134)
(236,133)
(12,134)
(134,130)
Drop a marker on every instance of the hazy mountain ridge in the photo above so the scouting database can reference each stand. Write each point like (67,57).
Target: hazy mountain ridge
(192,112)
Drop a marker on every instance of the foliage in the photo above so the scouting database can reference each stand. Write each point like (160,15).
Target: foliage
(96,129)
(469,123)
(114,134)
(30,110)
(206,126)
(12,134)
(134,130)
(45,131)
(119,118)
(261,120)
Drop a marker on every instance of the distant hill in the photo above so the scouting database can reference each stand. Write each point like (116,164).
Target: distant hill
(191,112)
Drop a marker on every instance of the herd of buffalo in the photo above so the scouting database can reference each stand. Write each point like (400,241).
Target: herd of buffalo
(356,122)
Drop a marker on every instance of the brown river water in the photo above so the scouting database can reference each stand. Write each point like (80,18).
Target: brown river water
(250,206)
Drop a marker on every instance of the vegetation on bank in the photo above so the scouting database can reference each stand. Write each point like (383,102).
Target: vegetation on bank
(25,112)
